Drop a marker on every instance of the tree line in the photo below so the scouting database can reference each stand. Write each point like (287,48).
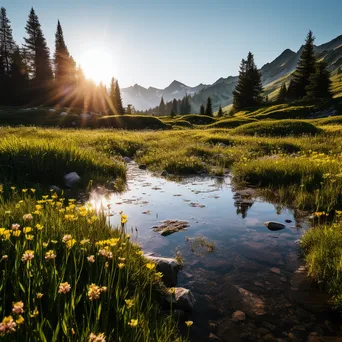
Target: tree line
(29,76)
(309,81)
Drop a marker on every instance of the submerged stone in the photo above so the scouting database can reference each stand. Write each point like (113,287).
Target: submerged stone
(238,316)
(169,227)
(274,226)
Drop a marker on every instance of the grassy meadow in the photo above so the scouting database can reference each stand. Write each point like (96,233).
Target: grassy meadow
(61,283)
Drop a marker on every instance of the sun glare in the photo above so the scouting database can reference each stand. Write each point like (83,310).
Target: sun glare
(98,66)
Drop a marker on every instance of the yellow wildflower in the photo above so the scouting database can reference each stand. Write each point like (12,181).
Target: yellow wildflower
(129,303)
(45,244)
(7,325)
(139,253)
(189,323)
(94,292)
(24,190)
(50,255)
(64,287)
(172,290)
(16,233)
(39,295)
(13,188)
(27,230)
(133,323)
(84,241)
(121,265)
(39,226)
(150,266)
(54,241)
(28,255)
(18,308)
(20,320)
(33,190)
(122,259)
(29,237)
(34,313)
(70,243)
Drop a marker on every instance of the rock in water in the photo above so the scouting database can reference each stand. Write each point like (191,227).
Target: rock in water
(168,266)
(55,188)
(274,225)
(71,178)
(182,299)
(169,227)
(164,173)
(63,114)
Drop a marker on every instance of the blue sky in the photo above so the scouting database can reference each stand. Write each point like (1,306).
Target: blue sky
(153,42)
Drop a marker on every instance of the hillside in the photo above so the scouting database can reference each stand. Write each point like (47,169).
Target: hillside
(273,74)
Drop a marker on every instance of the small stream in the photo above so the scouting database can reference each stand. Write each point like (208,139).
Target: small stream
(252,269)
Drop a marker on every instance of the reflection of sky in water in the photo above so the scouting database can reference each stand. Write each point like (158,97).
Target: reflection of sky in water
(237,233)
(219,220)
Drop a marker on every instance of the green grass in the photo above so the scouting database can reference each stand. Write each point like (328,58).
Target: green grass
(113,290)
(28,158)
(231,122)
(277,128)
(50,117)
(322,250)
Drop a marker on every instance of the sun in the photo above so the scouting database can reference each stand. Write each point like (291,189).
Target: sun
(98,66)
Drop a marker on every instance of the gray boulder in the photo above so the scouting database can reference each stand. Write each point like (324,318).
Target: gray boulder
(168,266)
(182,299)
(71,179)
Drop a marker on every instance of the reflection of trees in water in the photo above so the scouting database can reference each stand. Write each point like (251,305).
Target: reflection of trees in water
(242,208)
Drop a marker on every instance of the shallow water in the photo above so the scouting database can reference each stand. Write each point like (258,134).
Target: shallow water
(252,268)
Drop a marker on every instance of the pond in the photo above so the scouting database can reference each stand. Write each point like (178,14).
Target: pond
(252,269)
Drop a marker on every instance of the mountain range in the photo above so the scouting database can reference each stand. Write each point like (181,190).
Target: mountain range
(221,90)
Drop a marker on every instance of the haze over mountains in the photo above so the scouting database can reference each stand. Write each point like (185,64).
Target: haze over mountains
(221,90)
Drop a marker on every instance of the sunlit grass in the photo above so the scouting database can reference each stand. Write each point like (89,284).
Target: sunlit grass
(66,274)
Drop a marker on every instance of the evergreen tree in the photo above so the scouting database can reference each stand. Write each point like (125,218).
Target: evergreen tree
(118,100)
(18,82)
(7,45)
(220,112)
(209,108)
(202,110)
(39,57)
(3,81)
(320,83)
(305,69)
(339,71)
(112,96)
(65,68)
(162,107)
(282,95)
(291,91)
(173,113)
(249,88)
(175,106)
(80,88)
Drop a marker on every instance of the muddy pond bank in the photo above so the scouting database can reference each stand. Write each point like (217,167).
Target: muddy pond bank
(251,269)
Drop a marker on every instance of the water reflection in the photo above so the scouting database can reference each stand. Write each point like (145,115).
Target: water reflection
(251,264)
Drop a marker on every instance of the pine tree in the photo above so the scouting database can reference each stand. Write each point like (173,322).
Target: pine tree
(202,110)
(118,100)
(305,69)
(249,88)
(220,112)
(291,91)
(65,68)
(7,45)
(320,83)
(39,57)
(3,81)
(209,108)
(112,96)
(80,88)
(282,95)
(162,107)
(18,82)
(175,106)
